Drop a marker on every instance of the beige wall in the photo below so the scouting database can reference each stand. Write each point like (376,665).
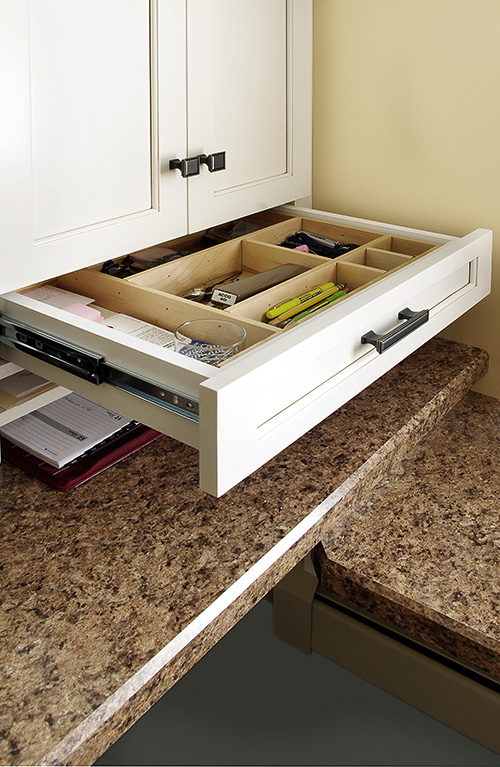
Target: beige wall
(407,125)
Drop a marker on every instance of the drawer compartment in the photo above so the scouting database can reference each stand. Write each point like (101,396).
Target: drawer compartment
(287,379)
(214,266)
(342,233)
(349,275)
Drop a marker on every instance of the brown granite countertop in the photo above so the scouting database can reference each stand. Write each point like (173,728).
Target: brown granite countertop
(114,590)
(423,552)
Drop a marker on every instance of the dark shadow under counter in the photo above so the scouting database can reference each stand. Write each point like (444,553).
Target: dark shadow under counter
(423,552)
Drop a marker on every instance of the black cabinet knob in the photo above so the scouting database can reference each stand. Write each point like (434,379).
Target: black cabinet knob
(214,161)
(189,166)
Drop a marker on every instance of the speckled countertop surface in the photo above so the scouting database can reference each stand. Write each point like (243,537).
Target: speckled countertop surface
(423,552)
(111,592)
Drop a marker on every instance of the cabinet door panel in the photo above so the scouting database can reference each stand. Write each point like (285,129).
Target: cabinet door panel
(91,114)
(94,110)
(253,35)
(245,98)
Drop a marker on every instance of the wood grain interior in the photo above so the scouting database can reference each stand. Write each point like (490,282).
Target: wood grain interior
(357,275)
(404,246)
(257,257)
(339,233)
(178,276)
(256,306)
(375,258)
(155,295)
(385,259)
(344,234)
(150,305)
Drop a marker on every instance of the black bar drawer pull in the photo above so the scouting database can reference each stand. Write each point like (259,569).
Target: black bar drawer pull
(413,321)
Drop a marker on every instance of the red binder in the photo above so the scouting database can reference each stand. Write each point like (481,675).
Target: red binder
(109,452)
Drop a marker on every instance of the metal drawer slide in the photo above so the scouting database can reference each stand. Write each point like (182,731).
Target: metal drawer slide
(93,367)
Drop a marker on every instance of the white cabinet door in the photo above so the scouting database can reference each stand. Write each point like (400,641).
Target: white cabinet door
(249,95)
(93,107)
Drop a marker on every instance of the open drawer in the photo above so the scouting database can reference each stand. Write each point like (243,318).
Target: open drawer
(403,286)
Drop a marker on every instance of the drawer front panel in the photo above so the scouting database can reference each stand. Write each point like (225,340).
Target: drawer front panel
(254,410)
(341,345)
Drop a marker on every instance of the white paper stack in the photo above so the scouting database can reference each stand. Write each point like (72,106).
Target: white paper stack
(64,430)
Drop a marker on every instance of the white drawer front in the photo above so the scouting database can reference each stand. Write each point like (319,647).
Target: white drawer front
(253,410)
(241,415)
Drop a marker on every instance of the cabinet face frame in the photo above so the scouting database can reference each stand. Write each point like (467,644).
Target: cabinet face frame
(259,403)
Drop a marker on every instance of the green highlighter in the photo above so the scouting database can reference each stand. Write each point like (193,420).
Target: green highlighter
(307,312)
(306,299)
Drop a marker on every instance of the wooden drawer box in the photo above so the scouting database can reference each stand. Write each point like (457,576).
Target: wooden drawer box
(286,380)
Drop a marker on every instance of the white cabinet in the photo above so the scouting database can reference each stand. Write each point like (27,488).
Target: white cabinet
(98,96)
